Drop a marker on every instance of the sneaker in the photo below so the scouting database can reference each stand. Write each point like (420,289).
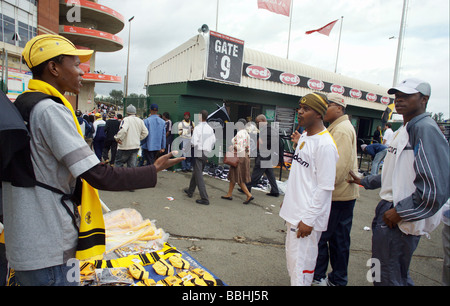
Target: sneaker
(323,282)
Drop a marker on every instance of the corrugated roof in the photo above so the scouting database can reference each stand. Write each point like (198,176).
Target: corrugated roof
(188,63)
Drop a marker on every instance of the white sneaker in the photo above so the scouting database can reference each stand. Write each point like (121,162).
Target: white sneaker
(322,282)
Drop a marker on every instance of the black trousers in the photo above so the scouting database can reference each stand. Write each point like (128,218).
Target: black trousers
(256,176)
(110,145)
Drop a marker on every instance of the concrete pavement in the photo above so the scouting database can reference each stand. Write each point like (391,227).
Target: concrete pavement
(244,244)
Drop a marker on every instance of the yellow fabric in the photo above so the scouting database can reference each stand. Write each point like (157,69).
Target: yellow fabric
(47,46)
(179,262)
(143,259)
(161,267)
(146,282)
(138,271)
(92,225)
(205,276)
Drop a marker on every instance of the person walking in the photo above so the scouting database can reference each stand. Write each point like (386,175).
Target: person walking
(155,142)
(41,226)
(307,201)
(99,135)
(263,160)
(241,173)
(334,243)
(203,140)
(388,134)
(169,136)
(111,128)
(90,135)
(185,130)
(84,124)
(414,185)
(131,132)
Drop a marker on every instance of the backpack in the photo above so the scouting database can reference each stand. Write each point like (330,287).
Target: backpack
(15,153)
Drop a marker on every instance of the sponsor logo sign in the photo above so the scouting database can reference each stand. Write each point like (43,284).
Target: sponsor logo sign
(316,84)
(337,89)
(289,78)
(385,100)
(356,93)
(258,72)
(371,97)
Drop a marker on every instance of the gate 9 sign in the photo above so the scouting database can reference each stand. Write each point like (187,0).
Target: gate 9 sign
(225,57)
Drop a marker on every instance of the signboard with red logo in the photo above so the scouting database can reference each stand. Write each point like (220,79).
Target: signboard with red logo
(273,75)
(289,78)
(336,88)
(371,97)
(258,72)
(315,84)
(225,58)
(355,93)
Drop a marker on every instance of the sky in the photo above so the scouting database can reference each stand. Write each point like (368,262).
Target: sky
(368,45)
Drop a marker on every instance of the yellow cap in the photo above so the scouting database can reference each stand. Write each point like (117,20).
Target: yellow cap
(44,47)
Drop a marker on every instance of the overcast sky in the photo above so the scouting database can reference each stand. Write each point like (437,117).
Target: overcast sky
(366,52)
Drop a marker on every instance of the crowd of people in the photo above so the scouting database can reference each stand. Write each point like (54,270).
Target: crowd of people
(318,204)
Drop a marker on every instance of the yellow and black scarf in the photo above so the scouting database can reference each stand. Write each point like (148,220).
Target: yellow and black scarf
(91,236)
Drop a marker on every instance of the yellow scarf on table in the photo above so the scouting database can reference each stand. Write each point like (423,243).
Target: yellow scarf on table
(91,237)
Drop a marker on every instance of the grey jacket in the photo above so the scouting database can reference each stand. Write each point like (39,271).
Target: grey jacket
(431,175)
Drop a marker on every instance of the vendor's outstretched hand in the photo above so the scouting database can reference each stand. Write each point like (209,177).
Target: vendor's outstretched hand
(355,179)
(166,161)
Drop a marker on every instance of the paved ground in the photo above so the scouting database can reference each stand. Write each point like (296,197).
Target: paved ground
(207,232)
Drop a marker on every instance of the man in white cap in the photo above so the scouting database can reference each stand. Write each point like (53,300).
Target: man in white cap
(414,186)
(132,130)
(334,244)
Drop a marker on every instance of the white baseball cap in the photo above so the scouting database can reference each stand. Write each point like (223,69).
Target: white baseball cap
(412,86)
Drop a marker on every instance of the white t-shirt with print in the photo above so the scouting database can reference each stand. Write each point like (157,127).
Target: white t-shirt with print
(389,164)
(311,181)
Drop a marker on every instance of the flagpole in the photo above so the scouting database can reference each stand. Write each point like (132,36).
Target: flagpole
(400,43)
(339,44)
(217,17)
(290,24)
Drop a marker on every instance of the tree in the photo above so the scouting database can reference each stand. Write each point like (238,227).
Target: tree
(116,96)
(438,117)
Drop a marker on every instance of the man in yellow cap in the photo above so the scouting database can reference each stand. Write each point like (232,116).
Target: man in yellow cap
(307,201)
(42,229)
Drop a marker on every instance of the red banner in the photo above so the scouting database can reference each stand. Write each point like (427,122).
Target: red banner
(102,77)
(91,32)
(325,30)
(282,7)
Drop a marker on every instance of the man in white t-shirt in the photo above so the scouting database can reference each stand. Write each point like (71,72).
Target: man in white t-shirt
(388,134)
(307,200)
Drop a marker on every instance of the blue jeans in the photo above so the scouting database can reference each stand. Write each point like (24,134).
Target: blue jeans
(379,157)
(51,276)
(393,249)
(126,156)
(187,151)
(334,244)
